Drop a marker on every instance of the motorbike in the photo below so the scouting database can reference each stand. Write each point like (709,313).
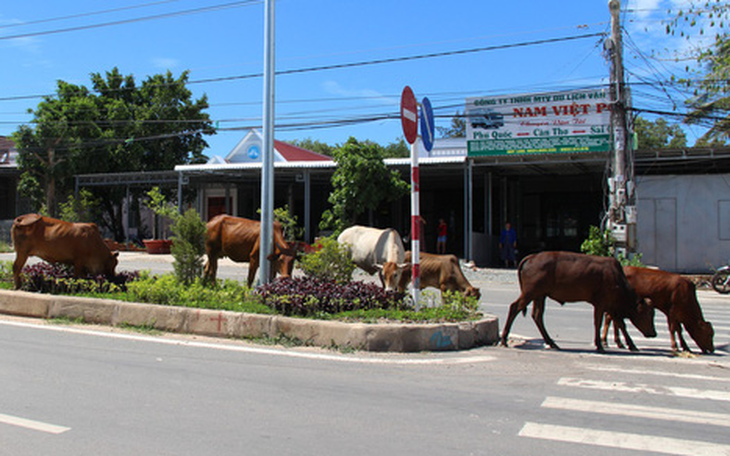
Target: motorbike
(721,280)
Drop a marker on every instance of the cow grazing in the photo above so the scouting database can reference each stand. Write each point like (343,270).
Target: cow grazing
(570,277)
(239,239)
(56,241)
(376,250)
(438,271)
(676,297)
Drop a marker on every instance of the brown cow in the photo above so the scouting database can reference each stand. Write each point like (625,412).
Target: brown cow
(570,277)
(56,241)
(676,297)
(238,239)
(438,271)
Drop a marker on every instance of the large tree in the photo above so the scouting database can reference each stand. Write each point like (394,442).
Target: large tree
(117,126)
(361,182)
(659,134)
(703,24)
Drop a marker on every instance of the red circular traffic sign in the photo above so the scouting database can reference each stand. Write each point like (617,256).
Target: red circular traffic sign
(409,115)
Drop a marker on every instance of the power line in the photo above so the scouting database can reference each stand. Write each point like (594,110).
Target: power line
(204,9)
(402,58)
(79,15)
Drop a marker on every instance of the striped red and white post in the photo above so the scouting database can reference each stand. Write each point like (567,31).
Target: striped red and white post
(409,122)
(415,226)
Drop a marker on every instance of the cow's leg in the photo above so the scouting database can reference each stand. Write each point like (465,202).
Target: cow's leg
(622,326)
(675,327)
(20,259)
(617,337)
(606,327)
(210,270)
(604,332)
(253,266)
(538,311)
(520,305)
(597,320)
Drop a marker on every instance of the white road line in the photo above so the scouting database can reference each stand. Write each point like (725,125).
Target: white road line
(258,350)
(656,373)
(638,411)
(34,425)
(627,387)
(623,440)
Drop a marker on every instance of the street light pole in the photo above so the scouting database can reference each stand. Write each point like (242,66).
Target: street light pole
(267,165)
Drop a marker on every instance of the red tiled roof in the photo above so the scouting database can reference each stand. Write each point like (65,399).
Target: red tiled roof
(6,143)
(294,153)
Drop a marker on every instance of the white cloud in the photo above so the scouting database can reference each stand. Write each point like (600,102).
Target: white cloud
(165,63)
(335,88)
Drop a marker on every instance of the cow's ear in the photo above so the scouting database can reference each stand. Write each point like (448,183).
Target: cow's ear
(115,254)
(403,265)
(379,267)
(647,301)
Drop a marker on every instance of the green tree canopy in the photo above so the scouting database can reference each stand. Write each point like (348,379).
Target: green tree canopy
(116,126)
(361,182)
(710,105)
(659,134)
(457,128)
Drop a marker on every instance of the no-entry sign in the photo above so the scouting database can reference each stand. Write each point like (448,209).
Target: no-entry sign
(409,115)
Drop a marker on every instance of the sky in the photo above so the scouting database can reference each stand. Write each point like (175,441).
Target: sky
(481,47)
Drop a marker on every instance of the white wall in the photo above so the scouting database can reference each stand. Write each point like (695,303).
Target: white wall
(683,222)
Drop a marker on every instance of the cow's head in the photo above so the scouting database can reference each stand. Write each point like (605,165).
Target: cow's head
(642,316)
(283,261)
(471,291)
(391,274)
(110,265)
(702,333)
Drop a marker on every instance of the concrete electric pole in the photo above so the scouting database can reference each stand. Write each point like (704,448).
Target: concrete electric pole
(622,206)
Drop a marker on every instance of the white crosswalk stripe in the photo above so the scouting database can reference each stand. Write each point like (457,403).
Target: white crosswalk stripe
(627,387)
(623,440)
(619,391)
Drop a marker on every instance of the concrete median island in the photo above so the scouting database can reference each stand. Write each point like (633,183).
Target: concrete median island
(380,337)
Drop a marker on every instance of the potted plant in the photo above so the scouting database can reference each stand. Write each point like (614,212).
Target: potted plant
(162,209)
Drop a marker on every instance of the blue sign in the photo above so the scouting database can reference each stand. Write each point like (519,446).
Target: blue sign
(254,152)
(428,130)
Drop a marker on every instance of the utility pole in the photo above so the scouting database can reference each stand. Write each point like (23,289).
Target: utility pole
(622,206)
(267,167)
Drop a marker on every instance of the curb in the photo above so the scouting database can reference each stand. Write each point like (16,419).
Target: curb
(380,337)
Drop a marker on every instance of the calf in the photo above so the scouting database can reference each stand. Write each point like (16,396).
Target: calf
(438,271)
(676,297)
(570,277)
(56,241)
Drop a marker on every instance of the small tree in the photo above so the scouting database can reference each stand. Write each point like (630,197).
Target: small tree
(602,243)
(85,208)
(158,204)
(188,246)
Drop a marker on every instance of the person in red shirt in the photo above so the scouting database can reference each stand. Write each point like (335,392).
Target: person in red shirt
(442,231)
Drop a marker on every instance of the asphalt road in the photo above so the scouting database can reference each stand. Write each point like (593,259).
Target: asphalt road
(82,390)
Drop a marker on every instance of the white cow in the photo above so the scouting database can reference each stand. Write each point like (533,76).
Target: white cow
(375,250)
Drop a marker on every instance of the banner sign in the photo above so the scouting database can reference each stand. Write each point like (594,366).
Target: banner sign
(559,122)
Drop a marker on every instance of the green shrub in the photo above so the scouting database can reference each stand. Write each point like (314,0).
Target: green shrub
(167,290)
(599,243)
(331,263)
(602,243)
(188,246)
